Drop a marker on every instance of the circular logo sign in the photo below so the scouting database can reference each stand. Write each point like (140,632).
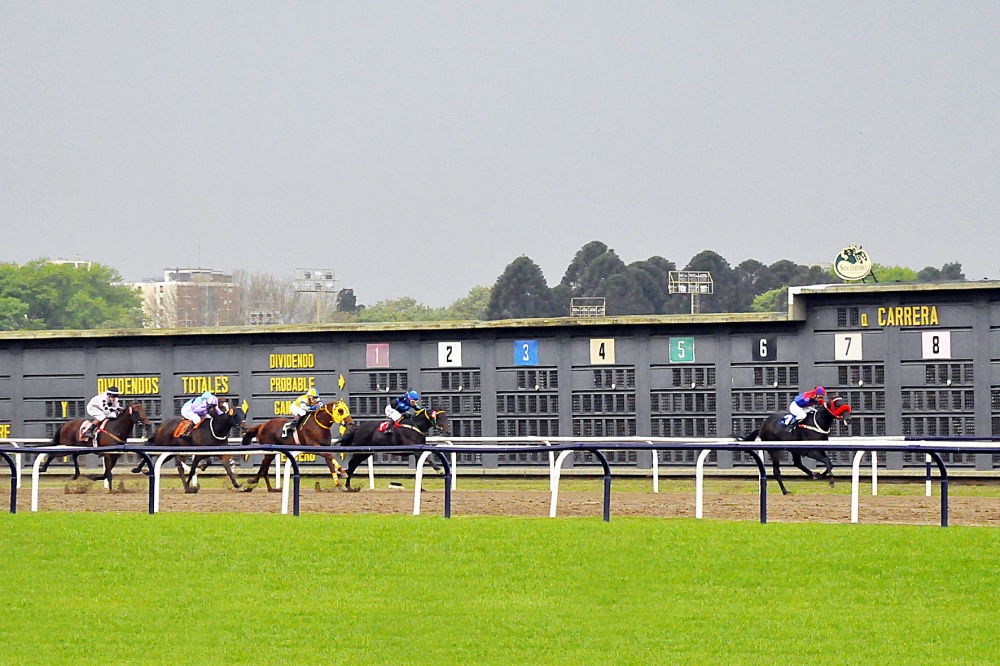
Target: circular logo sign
(852,263)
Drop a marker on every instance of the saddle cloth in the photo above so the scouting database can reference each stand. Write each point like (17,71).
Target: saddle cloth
(181,427)
(385,426)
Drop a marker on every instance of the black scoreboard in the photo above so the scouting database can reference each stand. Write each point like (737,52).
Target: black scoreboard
(909,359)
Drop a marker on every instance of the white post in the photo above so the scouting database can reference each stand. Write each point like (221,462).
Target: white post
(278,460)
(418,480)
(656,469)
(927,483)
(157,469)
(554,481)
(552,465)
(699,484)
(34,479)
(17,465)
(371,472)
(855,482)
(874,473)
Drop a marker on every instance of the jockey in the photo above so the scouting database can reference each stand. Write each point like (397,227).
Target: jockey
(405,405)
(801,402)
(303,405)
(196,409)
(102,406)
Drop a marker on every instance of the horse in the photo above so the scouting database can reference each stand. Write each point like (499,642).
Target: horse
(814,428)
(212,431)
(411,431)
(315,430)
(110,432)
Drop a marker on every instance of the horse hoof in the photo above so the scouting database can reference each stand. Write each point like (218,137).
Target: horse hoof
(191,490)
(348,489)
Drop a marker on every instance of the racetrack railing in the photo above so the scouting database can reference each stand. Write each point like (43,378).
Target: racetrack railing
(447,448)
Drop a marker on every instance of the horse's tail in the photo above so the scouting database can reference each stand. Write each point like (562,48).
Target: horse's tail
(750,436)
(56,437)
(249,435)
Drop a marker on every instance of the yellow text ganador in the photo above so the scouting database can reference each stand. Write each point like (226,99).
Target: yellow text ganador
(908,315)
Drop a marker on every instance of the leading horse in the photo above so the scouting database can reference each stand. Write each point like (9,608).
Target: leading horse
(411,431)
(814,428)
(315,430)
(111,432)
(211,432)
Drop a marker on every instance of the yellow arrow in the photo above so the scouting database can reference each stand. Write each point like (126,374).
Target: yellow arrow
(341,382)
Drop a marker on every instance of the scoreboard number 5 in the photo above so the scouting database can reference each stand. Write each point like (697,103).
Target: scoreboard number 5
(847,347)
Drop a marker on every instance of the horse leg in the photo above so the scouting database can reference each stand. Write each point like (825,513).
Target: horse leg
(336,470)
(262,473)
(777,471)
(352,465)
(797,460)
(138,468)
(227,464)
(182,473)
(824,460)
(192,485)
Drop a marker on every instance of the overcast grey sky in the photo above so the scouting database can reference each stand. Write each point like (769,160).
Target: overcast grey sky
(419,147)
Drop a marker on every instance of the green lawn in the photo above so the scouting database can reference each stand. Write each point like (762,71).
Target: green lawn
(323,589)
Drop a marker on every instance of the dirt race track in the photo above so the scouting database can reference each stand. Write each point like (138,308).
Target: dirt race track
(908,509)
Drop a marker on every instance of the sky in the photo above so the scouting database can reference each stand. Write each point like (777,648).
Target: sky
(417,148)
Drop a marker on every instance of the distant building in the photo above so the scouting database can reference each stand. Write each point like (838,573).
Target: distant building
(77,263)
(189,297)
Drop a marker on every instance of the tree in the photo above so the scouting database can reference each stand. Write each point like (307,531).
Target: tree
(775,300)
(398,309)
(472,306)
(723,278)
(520,291)
(347,301)
(893,273)
(64,296)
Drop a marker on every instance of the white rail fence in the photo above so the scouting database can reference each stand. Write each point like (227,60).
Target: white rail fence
(859,446)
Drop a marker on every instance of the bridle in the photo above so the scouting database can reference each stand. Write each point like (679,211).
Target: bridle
(333,417)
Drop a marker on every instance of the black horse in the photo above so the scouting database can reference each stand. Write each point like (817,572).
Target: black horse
(411,431)
(814,428)
(211,432)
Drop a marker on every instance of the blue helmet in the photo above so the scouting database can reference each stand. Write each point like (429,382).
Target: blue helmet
(413,396)
(820,390)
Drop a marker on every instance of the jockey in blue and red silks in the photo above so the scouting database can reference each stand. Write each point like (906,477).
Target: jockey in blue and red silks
(801,402)
(405,405)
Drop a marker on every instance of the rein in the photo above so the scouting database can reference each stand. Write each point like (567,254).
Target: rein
(211,419)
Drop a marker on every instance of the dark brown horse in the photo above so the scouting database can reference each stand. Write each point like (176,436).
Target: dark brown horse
(111,432)
(315,430)
(814,428)
(211,432)
(411,431)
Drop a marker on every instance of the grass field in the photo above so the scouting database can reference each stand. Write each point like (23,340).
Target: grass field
(322,589)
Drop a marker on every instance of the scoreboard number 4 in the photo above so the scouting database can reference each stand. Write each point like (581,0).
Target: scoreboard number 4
(602,351)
